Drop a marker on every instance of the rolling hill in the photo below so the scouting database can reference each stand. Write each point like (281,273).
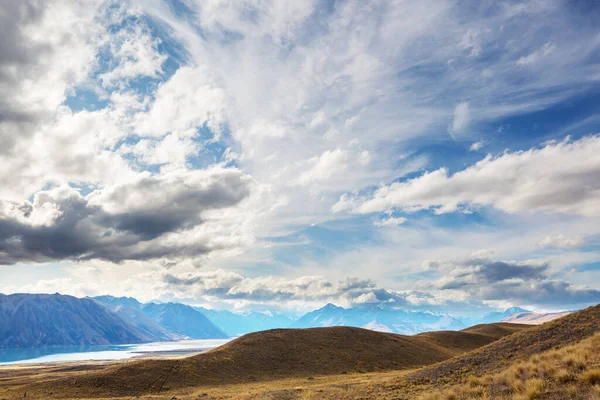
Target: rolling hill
(277,354)
(33,320)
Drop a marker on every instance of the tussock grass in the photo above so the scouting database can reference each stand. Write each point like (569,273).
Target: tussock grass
(571,372)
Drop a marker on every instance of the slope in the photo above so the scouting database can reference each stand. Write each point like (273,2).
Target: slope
(130,310)
(383,317)
(32,320)
(534,318)
(183,320)
(558,333)
(239,324)
(270,355)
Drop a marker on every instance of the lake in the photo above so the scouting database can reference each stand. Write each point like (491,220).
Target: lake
(102,352)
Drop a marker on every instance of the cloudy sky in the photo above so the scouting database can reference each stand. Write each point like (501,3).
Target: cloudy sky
(439,155)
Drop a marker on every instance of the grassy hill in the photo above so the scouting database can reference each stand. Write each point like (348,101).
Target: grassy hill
(571,372)
(278,354)
(558,333)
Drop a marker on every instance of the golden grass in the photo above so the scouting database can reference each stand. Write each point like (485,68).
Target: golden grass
(275,355)
(571,372)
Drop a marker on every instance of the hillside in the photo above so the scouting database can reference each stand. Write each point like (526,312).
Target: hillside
(519,346)
(571,372)
(532,318)
(275,354)
(33,320)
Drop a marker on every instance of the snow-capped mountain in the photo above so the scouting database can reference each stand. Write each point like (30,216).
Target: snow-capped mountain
(381,317)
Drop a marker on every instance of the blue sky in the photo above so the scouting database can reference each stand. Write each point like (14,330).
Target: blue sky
(270,154)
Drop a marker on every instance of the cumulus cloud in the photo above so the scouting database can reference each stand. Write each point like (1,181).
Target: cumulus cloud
(44,50)
(557,178)
(517,282)
(137,219)
(226,286)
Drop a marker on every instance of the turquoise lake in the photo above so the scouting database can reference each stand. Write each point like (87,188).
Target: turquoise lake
(101,352)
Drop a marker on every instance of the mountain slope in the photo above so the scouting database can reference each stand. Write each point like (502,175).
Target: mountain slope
(571,372)
(532,318)
(379,317)
(498,316)
(130,310)
(274,354)
(239,324)
(183,320)
(558,333)
(33,320)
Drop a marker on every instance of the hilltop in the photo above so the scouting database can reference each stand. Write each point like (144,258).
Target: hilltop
(278,354)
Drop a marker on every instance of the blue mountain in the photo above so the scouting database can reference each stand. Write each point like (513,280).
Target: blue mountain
(33,320)
(235,324)
(130,310)
(183,320)
(381,317)
(498,316)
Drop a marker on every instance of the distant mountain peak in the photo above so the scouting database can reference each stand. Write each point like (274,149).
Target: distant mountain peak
(515,310)
(330,306)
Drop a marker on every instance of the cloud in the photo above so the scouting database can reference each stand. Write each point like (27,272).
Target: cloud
(562,241)
(557,178)
(226,286)
(534,57)
(477,145)
(462,118)
(40,60)
(138,219)
(391,221)
(517,282)
(134,54)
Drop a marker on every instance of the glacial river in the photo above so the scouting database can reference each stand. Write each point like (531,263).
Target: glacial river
(103,352)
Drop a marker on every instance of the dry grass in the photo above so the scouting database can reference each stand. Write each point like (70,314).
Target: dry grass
(518,346)
(558,360)
(271,356)
(571,372)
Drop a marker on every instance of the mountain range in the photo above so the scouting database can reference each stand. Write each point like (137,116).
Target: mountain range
(35,320)
(379,317)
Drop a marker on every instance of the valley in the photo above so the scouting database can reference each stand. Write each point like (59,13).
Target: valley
(344,363)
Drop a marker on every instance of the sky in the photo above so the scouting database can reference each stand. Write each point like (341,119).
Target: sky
(266,154)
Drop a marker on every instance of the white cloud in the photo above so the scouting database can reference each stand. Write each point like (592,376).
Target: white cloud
(462,118)
(562,241)
(557,178)
(184,103)
(477,145)
(537,55)
(391,221)
(134,53)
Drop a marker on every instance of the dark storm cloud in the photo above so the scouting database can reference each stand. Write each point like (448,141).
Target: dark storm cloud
(524,282)
(126,222)
(485,272)
(16,55)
